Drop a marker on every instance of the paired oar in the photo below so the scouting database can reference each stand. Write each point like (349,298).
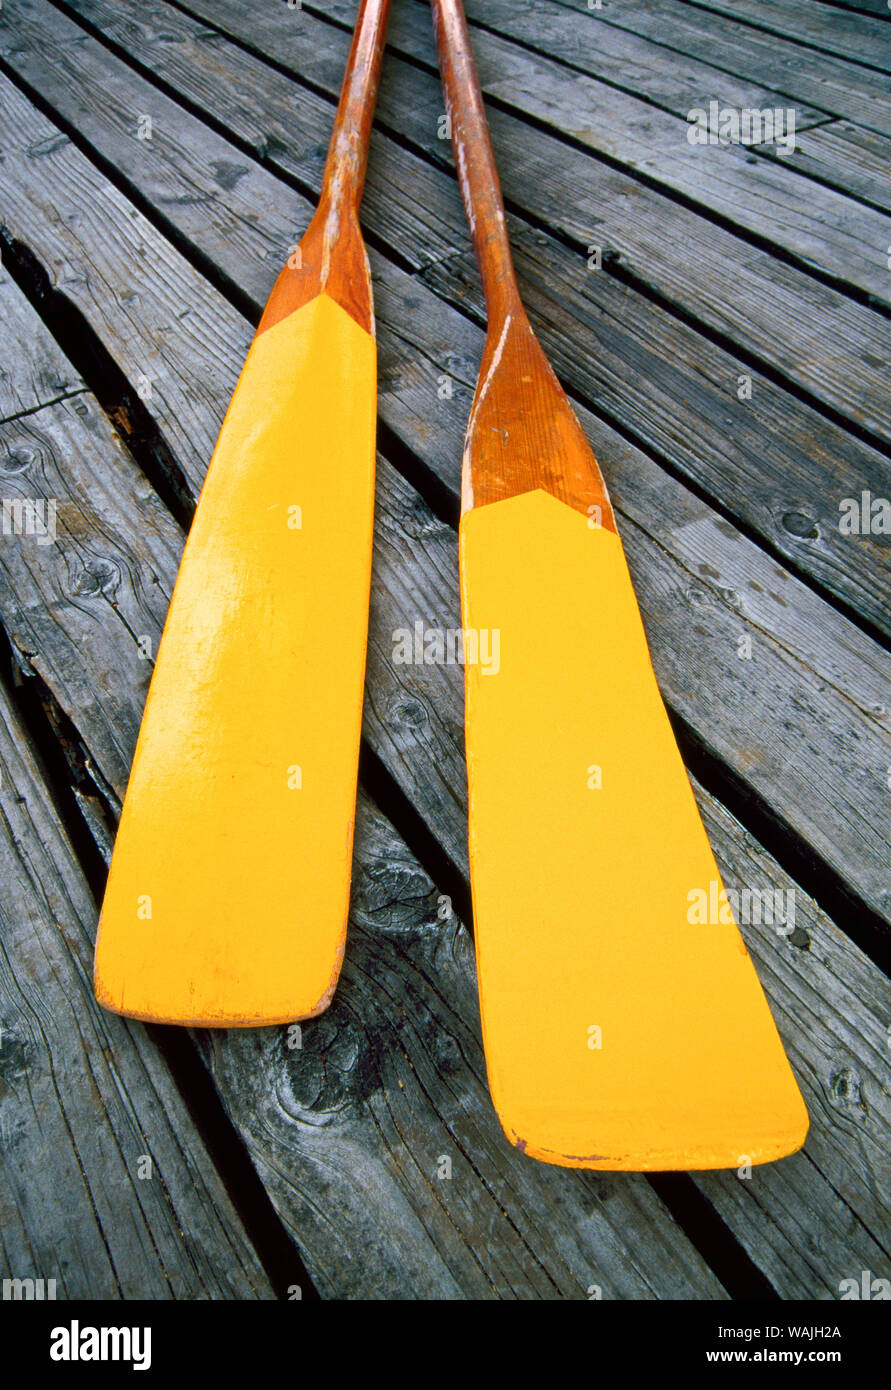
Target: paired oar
(229,887)
(621,1030)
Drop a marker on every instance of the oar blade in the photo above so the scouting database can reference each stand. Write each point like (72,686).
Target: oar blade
(621,1030)
(229,885)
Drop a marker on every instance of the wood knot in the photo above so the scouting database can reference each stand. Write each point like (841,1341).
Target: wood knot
(330,1072)
(16,460)
(846,1090)
(98,576)
(15,1055)
(405,710)
(797,524)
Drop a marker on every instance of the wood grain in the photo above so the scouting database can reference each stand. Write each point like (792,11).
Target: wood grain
(169,346)
(561,187)
(816,227)
(418,719)
(34,371)
(411,716)
(832,83)
(843,155)
(852,35)
(332,257)
(105,1185)
(637,65)
(413,719)
(793,508)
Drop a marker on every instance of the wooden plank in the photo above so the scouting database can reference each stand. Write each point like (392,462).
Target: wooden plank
(858,166)
(88,605)
(385,1094)
(34,371)
(679,419)
(420,521)
(105,1185)
(65,454)
(391,1041)
(846,367)
(413,522)
(835,810)
(849,158)
(338,1185)
(876,7)
(832,84)
(674,418)
(832,1008)
(704,600)
(853,36)
(816,226)
(624,59)
(108,244)
(408,208)
(378,1143)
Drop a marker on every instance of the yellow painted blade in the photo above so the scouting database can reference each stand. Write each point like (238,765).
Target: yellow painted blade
(621,1030)
(228,893)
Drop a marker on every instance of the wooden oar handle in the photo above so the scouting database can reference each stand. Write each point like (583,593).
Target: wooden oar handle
(331,256)
(348,151)
(475,159)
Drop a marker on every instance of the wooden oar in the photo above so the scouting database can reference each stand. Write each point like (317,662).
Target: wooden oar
(229,886)
(621,1030)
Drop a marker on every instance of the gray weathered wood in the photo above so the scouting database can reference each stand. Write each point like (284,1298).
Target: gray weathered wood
(675,410)
(876,7)
(848,157)
(388,1084)
(107,579)
(111,565)
(106,255)
(85,1098)
(625,60)
(818,227)
(32,371)
(310,1119)
(845,366)
(694,411)
(413,720)
(821,26)
(848,661)
(326,1202)
(822,1215)
(622,57)
(834,84)
(837,811)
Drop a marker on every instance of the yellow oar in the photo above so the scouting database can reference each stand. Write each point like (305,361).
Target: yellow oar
(228,893)
(621,1029)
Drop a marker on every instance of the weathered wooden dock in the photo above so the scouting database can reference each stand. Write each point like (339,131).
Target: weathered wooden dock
(720,317)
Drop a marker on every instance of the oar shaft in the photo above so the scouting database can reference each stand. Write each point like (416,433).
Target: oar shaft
(348,150)
(475,159)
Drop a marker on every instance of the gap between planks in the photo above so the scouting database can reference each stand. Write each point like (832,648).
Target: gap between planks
(623,425)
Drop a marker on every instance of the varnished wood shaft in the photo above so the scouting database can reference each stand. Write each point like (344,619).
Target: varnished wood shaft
(332,257)
(477,173)
(348,150)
